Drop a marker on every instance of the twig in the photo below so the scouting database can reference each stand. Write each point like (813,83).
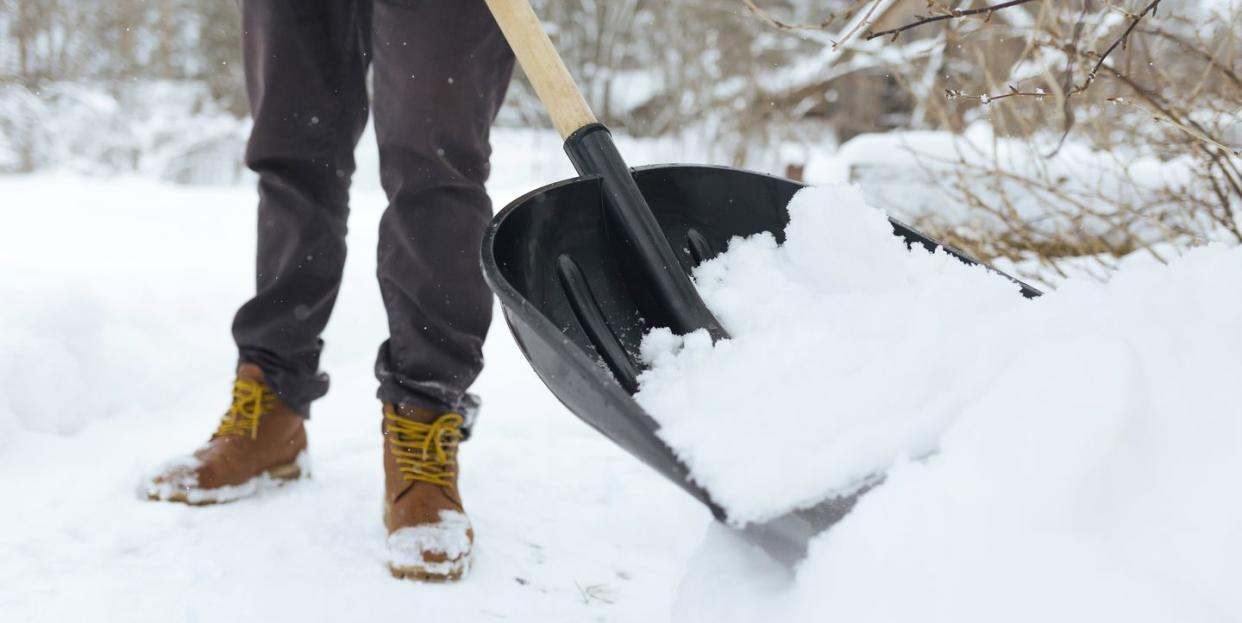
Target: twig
(952,14)
(1208,58)
(986,99)
(1067,106)
(783,25)
(1134,22)
(598,592)
(866,19)
(1197,134)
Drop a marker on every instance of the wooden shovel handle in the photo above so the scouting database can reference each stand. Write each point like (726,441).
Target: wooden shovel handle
(542,64)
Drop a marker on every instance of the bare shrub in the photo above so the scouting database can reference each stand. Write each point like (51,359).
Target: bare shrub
(1114,125)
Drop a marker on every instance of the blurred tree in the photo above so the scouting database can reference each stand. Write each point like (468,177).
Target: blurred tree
(217,52)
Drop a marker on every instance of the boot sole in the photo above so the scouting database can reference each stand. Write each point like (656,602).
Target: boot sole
(421,574)
(268,480)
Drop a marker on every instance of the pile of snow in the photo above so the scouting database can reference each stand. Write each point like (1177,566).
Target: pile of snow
(1071,458)
(849,352)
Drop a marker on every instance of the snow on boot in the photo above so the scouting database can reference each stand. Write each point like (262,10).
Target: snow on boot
(429,535)
(260,444)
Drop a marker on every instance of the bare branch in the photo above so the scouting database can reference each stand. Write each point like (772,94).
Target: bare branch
(1207,57)
(820,25)
(1120,41)
(987,11)
(1184,127)
(857,26)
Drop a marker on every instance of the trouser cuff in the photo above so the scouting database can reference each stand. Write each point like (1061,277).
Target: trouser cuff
(296,388)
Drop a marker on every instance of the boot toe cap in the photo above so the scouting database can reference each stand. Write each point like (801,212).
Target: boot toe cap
(173,480)
(432,551)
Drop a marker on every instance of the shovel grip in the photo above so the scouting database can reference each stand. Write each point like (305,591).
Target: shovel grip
(543,65)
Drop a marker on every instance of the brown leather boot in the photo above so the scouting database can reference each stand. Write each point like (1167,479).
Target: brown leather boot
(260,444)
(429,535)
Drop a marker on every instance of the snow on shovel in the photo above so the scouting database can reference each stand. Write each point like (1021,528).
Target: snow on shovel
(585,267)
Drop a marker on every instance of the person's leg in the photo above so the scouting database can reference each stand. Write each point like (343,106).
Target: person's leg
(306,64)
(441,70)
(440,74)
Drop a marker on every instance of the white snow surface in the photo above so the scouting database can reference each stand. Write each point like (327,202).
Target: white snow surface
(1071,458)
(1084,447)
(116,298)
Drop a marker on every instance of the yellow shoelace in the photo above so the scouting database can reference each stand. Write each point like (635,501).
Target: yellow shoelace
(426,452)
(251,399)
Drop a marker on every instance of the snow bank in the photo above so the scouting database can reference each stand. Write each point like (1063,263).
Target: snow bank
(1071,458)
(72,356)
(92,325)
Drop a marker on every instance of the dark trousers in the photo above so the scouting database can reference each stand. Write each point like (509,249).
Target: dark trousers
(441,68)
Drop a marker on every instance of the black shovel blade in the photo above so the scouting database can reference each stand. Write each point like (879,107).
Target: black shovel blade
(551,260)
(574,309)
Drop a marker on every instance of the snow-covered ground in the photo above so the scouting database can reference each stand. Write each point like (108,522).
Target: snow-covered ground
(115,354)
(1084,462)
(1069,458)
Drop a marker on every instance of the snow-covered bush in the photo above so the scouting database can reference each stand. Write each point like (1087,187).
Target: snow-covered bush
(1063,130)
(1002,199)
(173,131)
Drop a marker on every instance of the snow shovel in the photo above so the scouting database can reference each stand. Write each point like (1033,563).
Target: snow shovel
(585,267)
